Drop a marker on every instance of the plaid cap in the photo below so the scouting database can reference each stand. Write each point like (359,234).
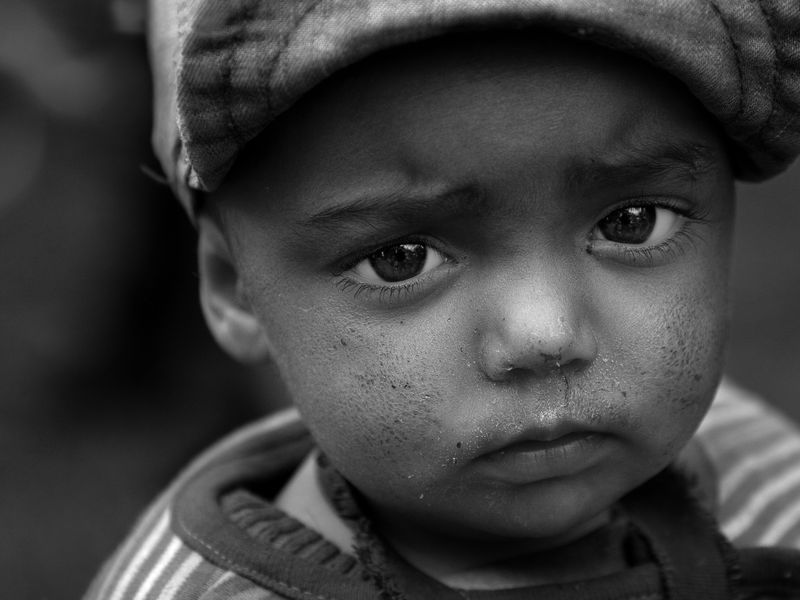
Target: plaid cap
(224,69)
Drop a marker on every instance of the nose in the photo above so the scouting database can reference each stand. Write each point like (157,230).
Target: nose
(536,324)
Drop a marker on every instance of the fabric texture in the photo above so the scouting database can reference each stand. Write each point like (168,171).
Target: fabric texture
(224,69)
(207,539)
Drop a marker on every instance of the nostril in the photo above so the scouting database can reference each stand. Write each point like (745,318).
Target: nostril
(552,360)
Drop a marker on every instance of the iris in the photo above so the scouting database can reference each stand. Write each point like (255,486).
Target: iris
(631,225)
(399,262)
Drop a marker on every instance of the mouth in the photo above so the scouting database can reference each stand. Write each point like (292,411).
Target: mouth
(531,460)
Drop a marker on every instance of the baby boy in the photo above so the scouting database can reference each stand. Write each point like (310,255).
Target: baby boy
(486,245)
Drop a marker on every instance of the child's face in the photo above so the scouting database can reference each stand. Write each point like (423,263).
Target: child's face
(494,278)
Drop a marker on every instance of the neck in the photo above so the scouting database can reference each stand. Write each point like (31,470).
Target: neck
(476,564)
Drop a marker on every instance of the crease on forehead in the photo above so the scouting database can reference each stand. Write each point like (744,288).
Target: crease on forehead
(640,159)
(394,205)
(646,142)
(645,159)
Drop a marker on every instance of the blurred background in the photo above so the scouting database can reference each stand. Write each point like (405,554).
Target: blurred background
(108,379)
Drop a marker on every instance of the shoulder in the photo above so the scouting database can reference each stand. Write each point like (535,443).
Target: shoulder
(155,562)
(755,453)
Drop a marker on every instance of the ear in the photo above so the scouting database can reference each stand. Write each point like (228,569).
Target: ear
(226,308)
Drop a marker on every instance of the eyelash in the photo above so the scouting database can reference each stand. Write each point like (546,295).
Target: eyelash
(389,293)
(385,293)
(670,248)
(674,246)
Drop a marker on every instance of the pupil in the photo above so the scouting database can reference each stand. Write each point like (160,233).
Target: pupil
(397,263)
(632,225)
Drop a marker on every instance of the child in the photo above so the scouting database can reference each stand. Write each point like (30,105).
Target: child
(487,246)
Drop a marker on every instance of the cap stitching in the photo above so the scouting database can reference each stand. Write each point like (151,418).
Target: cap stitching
(289,37)
(183,167)
(244,16)
(790,121)
(777,67)
(736,54)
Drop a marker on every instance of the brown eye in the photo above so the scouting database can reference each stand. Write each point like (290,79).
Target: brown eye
(630,225)
(398,262)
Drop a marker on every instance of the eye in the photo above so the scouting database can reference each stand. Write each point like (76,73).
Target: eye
(398,262)
(638,225)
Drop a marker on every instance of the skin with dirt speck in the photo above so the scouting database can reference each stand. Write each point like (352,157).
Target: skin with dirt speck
(407,389)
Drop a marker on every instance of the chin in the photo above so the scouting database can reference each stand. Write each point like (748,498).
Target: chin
(553,511)
(559,522)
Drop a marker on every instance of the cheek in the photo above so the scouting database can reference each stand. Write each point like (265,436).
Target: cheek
(695,334)
(370,398)
(692,354)
(671,364)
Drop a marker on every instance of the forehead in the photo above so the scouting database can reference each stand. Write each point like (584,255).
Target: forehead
(483,110)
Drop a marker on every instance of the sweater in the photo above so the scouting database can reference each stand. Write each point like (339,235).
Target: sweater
(215,534)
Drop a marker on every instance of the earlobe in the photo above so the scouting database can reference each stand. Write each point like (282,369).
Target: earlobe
(225,306)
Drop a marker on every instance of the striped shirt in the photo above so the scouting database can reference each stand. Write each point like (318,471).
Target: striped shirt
(754,452)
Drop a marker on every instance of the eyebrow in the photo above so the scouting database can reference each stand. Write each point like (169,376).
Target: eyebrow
(646,160)
(396,206)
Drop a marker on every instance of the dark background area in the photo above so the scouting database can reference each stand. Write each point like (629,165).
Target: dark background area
(108,379)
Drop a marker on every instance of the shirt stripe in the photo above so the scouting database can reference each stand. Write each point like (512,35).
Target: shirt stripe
(756,453)
(740,439)
(202,580)
(226,576)
(114,566)
(792,539)
(771,491)
(781,525)
(181,576)
(144,552)
(725,413)
(238,588)
(156,571)
(779,450)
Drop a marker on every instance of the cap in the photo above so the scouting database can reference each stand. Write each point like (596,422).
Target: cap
(224,69)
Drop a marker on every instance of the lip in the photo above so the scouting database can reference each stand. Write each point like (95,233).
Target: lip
(533,459)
